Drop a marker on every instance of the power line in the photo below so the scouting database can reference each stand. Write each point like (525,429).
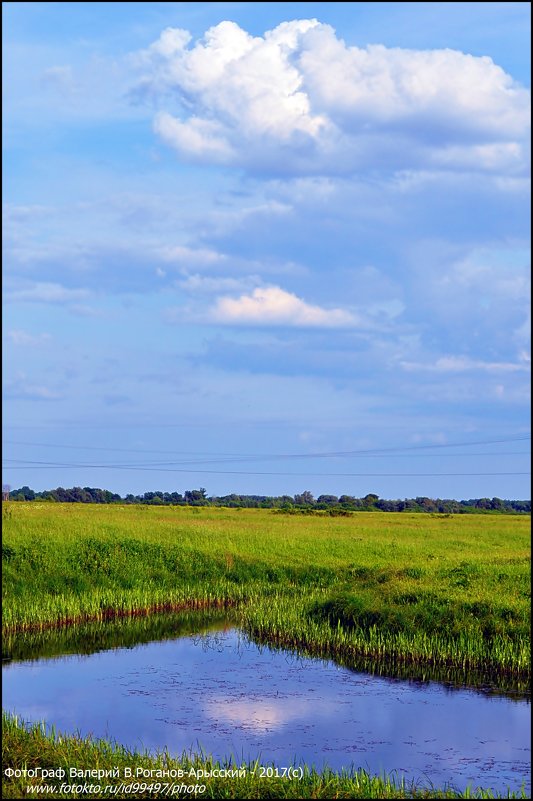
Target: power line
(54,466)
(171,466)
(176,462)
(262,457)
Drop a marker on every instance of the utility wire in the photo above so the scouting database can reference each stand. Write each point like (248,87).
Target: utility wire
(176,462)
(52,466)
(262,457)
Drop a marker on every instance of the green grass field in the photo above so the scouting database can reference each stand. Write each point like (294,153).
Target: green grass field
(404,587)
(401,593)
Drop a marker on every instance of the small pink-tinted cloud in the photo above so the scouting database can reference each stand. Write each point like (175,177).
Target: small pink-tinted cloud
(274,306)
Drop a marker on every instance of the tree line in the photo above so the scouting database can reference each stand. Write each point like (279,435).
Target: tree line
(301,502)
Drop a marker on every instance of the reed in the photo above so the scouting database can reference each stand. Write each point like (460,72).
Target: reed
(33,746)
(290,622)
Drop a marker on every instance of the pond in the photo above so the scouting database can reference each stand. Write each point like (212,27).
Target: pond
(219,693)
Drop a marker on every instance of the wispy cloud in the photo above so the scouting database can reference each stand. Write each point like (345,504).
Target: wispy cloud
(20,337)
(184,256)
(86,311)
(460,364)
(60,77)
(43,292)
(206,284)
(20,388)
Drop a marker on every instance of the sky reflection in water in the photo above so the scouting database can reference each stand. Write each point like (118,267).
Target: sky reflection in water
(228,697)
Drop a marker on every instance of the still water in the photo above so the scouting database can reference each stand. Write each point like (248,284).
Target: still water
(224,695)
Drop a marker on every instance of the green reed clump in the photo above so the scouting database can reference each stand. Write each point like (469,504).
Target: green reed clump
(436,613)
(30,746)
(302,624)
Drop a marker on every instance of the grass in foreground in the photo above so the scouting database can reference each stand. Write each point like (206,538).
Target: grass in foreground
(449,591)
(31,747)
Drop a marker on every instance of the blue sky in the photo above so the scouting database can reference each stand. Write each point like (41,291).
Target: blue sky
(267,247)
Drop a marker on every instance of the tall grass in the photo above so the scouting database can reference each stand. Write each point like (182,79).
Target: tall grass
(291,623)
(409,589)
(32,746)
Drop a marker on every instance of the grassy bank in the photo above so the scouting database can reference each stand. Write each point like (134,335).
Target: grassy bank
(408,588)
(127,632)
(31,747)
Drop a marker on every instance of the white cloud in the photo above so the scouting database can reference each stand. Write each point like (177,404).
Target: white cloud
(20,337)
(60,77)
(522,334)
(273,306)
(479,296)
(497,156)
(199,138)
(461,364)
(299,100)
(42,292)
(182,255)
(200,283)
(500,272)
(13,214)
(20,388)
(83,310)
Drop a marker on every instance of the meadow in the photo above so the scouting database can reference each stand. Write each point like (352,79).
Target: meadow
(449,590)
(404,593)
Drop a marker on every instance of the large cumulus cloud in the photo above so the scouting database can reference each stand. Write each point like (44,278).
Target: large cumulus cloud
(299,100)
